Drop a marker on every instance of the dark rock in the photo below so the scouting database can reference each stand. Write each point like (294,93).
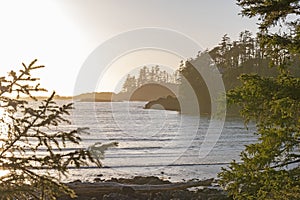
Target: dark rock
(169,103)
(97,179)
(151,180)
(76,181)
(129,193)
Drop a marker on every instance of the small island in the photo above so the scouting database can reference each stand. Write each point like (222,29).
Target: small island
(168,103)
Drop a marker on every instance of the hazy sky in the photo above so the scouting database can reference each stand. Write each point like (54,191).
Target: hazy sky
(61,34)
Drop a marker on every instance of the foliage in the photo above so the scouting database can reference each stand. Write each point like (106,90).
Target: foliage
(232,58)
(270,169)
(282,46)
(26,130)
(148,75)
(193,90)
(229,55)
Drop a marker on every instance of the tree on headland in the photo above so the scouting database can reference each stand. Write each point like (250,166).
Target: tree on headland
(233,54)
(270,169)
(148,75)
(32,144)
(192,85)
(130,84)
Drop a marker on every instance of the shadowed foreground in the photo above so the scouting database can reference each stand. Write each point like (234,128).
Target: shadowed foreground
(145,188)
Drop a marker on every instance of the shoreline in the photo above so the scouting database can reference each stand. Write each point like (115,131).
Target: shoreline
(145,187)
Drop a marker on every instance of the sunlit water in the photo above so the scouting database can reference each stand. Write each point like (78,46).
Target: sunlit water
(154,142)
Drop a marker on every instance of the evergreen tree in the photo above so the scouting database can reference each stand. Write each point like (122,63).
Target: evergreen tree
(193,90)
(142,79)
(25,130)
(270,169)
(149,75)
(130,84)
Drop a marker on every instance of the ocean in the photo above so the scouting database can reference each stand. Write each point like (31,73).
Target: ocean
(155,142)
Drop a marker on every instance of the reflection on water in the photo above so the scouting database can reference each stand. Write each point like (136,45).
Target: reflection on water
(152,142)
(3,173)
(155,142)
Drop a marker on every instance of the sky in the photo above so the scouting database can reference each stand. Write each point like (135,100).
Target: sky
(62,34)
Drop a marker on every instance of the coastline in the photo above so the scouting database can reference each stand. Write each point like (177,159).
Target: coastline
(141,187)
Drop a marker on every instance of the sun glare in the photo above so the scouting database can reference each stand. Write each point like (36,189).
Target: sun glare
(3,173)
(1,113)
